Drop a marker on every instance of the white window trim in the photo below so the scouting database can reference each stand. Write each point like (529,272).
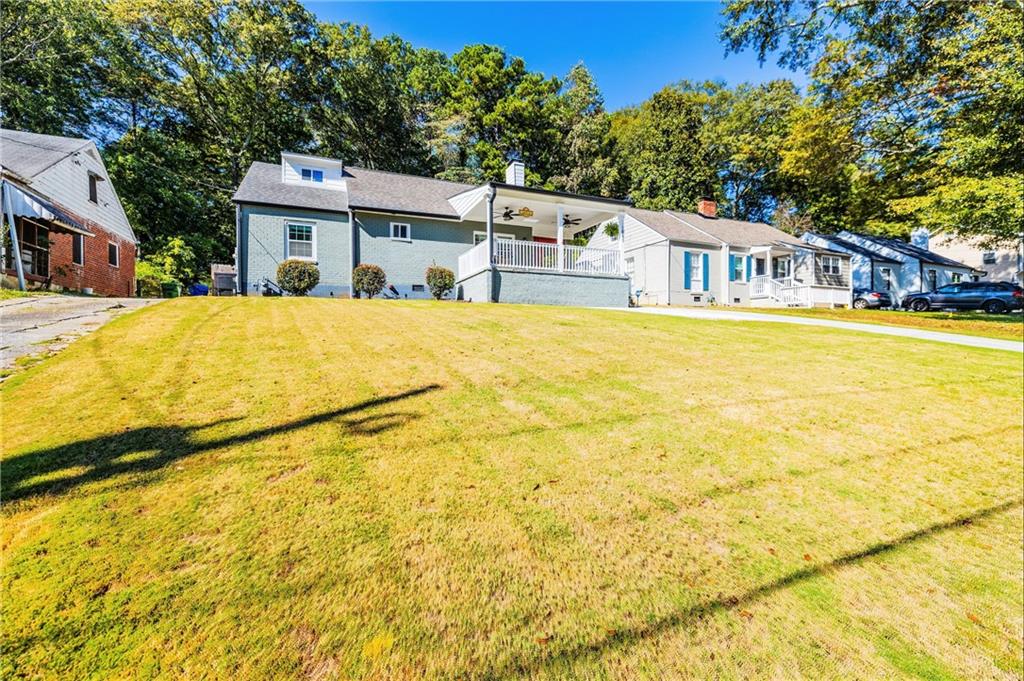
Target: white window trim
(117,253)
(81,239)
(408,231)
(323,175)
(697,271)
(497,235)
(287,240)
(630,266)
(956,278)
(826,265)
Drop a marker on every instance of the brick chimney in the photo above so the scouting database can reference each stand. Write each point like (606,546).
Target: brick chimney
(707,207)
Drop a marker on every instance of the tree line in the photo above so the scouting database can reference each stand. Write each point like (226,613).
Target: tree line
(911,116)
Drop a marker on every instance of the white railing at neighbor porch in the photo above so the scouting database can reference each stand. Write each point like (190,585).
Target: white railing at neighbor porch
(785,291)
(536,255)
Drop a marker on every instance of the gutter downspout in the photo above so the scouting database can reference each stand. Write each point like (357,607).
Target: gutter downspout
(668,264)
(353,234)
(19,267)
(240,285)
(491,193)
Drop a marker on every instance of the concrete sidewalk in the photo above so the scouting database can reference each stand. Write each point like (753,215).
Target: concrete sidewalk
(41,324)
(903,332)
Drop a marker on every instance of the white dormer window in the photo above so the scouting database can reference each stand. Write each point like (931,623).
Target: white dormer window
(312,175)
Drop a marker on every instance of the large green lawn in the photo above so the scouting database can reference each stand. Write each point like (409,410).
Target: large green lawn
(1008,326)
(300,488)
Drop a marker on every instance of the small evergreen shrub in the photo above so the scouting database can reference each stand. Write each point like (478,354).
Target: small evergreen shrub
(297,277)
(440,280)
(368,280)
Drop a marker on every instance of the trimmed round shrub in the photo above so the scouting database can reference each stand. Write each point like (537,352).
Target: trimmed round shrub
(368,280)
(297,277)
(440,280)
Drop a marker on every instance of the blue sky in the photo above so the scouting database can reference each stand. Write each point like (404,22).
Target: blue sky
(633,49)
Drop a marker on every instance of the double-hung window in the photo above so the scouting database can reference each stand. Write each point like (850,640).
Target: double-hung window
(312,175)
(737,268)
(300,241)
(957,277)
(696,271)
(830,265)
(113,254)
(401,231)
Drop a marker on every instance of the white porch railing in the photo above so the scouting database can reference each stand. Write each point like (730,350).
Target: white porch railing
(535,255)
(474,260)
(785,291)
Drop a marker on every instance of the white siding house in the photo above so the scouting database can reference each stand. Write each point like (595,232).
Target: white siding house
(888,264)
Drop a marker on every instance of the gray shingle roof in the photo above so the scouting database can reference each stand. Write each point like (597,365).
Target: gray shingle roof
(738,232)
(913,251)
(381,190)
(669,227)
(28,154)
(366,190)
(853,248)
(262,184)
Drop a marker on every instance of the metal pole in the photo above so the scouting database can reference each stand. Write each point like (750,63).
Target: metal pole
(15,248)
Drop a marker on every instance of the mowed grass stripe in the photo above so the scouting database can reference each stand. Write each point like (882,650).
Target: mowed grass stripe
(380,489)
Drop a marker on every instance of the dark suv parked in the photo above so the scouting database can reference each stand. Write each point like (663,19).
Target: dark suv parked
(992,297)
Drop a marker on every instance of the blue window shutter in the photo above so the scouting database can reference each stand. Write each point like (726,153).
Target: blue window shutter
(687,284)
(705,268)
(749,268)
(732,267)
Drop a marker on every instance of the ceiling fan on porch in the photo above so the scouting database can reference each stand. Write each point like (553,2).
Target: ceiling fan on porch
(568,221)
(511,213)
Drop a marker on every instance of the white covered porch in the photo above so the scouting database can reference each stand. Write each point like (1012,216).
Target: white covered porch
(786,275)
(543,268)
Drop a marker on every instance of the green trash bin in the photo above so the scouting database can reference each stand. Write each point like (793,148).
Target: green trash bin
(170,289)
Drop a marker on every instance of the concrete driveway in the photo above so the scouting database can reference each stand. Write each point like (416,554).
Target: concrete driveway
(921,334)
(43,324)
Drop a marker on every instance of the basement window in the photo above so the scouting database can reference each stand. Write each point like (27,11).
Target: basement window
(418,288)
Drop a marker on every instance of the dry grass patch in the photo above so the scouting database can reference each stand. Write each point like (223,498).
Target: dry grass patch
(372,489)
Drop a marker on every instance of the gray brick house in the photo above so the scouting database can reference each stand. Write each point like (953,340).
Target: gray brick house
(505,242)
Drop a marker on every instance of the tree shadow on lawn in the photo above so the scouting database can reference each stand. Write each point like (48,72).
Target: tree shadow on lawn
(623,638)
(108,456)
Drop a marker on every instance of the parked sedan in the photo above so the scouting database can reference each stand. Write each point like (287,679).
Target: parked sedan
(863,298)
(992,297)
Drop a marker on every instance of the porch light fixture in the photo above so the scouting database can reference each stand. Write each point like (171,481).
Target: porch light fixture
(525,212)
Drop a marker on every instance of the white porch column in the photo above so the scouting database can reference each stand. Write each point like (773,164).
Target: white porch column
(15,246)
(491,193)
(725,274)
(621,219)
(561,237)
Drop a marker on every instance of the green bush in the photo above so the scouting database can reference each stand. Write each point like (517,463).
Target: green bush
(368,279)
(297,277)
(440,280)
(150,276)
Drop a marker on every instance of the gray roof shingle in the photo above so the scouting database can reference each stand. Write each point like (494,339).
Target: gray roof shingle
(27,154)
(738,232)
(365,190)
(262,184)
(669,227)
(853,248)
(913,251)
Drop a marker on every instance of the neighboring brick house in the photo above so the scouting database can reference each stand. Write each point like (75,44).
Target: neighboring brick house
(71,230)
